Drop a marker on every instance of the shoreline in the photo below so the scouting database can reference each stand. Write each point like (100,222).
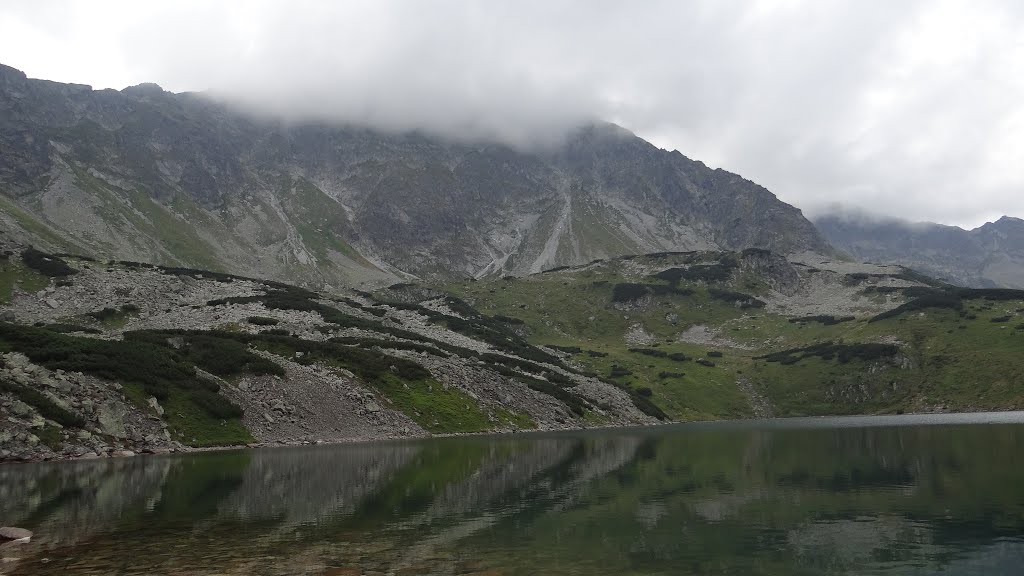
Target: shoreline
(850,420)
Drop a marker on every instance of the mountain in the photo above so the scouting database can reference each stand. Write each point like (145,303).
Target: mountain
(181,179)
(106,357)
(991,255)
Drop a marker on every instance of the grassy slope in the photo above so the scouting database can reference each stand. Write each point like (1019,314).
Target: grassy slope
(959,363)
(15,274)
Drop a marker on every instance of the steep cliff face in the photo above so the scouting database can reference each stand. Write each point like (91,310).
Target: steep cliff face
(143,174)
(991,255)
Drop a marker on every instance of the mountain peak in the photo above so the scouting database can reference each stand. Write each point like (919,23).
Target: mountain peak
(145,89)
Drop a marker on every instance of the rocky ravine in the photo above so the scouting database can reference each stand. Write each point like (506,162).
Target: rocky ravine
(303,401)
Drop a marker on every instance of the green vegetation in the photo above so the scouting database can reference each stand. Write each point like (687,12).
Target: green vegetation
(114,317)
(41,402)
(924,355)
(149,366)
(262,321)
(46,264)
(15,274)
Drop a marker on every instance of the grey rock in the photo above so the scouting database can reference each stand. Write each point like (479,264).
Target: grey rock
(20,409)
(155,405)
(14,533)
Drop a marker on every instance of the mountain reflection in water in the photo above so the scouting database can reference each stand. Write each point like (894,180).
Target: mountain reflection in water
(902,495)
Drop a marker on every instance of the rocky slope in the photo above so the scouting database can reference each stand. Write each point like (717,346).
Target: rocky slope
(988,256)
(147,175)
(109,358)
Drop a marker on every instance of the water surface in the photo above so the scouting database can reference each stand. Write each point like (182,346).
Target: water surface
(905,495)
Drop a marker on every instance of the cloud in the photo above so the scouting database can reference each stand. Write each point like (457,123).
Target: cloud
(912,109)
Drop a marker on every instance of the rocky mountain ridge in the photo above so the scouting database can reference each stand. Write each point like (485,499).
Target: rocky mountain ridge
(991,255)
(179,179)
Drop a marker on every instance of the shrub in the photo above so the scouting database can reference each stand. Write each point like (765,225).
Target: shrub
(743,300)
(664,375)
(619,371)
(924,302)
(596,354)
(46,264)
(566,349)
(829,351)
(714,354)
(628,292)
(67,328)
(1001,319)
(704,362)
(645,392)
(41,402)
(827,320)
(262,321)
(508,320)
(649,352)
(678,357)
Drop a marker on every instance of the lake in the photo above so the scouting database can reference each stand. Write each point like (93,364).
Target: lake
(902,495)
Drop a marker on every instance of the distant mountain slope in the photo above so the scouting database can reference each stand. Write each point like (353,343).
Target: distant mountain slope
(990,255)
(143,174)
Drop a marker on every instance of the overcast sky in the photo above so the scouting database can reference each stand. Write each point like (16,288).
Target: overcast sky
(909,108)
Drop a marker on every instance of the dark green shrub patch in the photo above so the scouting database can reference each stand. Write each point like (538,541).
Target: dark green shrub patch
(827,320)
(714,354)
(922,303)
(143,359)
(46,264)
(262,321)
(645,391)
(1001,319)
(629,291)
(828,351)
(739,298)
(596,354)
(678,357)
(719,272)
(649,352)
(41,402)
(705,362)
(619,371)
(566,349)
(665,375)
(68,328)
(109,314)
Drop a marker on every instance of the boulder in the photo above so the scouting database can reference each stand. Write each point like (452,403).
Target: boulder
(12,533)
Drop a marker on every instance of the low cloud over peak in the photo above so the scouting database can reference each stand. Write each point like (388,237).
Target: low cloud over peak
(899,108)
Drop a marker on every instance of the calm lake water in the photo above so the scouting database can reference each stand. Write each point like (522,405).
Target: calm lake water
(906,495)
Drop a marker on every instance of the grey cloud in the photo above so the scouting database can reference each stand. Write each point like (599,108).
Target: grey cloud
(912,109)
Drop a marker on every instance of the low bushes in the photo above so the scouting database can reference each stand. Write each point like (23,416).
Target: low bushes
(738,298)
(826,319)
(829,351)
(46,264)
(650,352)
(262,321)
(41,402)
